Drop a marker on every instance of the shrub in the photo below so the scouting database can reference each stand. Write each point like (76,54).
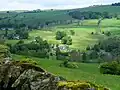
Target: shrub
(110,68)
(80,85)
(92,33)
(68,64)
(72,32)
(88,48)
(118,17)
(108,33)
(103,32)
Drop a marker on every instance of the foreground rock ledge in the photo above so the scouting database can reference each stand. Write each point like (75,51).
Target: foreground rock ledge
(25,76)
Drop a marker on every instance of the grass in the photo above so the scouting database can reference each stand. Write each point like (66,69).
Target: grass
(82,37)
(85,72)
(33,19)
(103,8)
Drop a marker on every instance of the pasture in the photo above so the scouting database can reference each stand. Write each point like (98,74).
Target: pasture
(85,72)
(82,37)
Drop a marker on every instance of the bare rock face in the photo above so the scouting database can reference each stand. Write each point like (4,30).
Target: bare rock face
(26,76)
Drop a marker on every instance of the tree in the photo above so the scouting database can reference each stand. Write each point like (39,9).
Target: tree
(99,27)
(84,57)
(38,39)
(57,52)
(72,32)
(23,34)
(88,48)
(108,33)
(6,32)
(60,35)
(8,11)
(64,40)
(67,40)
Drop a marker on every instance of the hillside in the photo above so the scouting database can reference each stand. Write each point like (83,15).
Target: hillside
(85,72)
(102,8)
(35,18)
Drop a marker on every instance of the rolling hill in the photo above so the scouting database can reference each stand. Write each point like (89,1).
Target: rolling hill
(50,16)
(102,8)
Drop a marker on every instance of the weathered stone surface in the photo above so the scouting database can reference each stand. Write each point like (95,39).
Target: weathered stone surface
(26,76)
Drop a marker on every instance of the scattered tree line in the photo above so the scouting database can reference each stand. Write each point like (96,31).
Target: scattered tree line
(116,4)
(37,48)
(15,34)
(89,15)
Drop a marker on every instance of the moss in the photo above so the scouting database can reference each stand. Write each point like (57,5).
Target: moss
(80,85)
(28,65)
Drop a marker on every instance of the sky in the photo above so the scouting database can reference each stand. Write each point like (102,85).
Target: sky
(50,4)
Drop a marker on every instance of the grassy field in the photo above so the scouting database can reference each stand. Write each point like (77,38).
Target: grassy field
(85,72)
(82,37)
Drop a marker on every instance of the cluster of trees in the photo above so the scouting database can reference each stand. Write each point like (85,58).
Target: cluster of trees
(89,15)
(65,39)
(108,49)
(11,25)
(32,19)
(110,68)
(37,48)
(116,4)
(61,55)
(72,55)
(17,34)
(60,35)
(17,24)
(33,11)
(105,51)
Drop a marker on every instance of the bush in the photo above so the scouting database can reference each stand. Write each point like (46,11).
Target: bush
(118,17)
(72,32)
(80,85)
(88,48)
(68,64)
(103,32)
(108,33)
(92,33)
(110,68)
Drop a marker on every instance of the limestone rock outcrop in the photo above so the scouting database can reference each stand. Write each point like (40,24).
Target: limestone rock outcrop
(25,76)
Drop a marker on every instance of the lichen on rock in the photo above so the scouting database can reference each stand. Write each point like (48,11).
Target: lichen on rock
(26,76)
